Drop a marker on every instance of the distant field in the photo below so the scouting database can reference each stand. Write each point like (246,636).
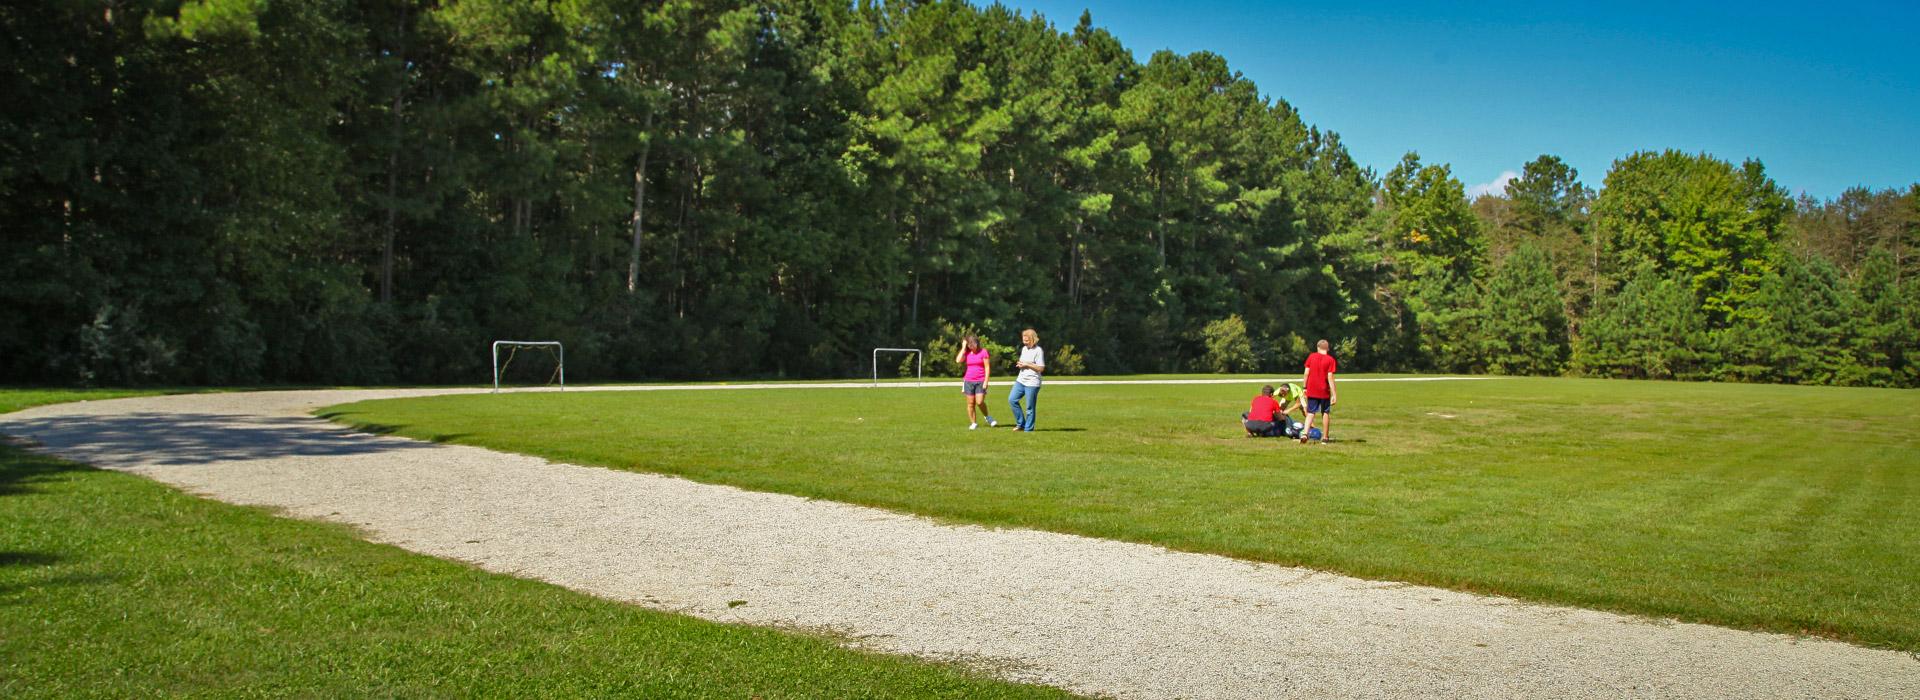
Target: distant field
(16,399)
(1793,509)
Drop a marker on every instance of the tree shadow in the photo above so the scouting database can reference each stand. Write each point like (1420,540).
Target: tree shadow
(8,559)
(19,469)
(172,439)
(60,581)
(384,428)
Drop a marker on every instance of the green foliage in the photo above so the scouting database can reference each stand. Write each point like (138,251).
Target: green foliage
(1548,209)
(1427,303)
(116,350)
(1849,228)
(946,345)
(201,19)
(1293,349)
(1547,195)
(1696,216)
(1432,218)
(1444,315)
(1524,328)
(1651,329)
(1887,341)
(1802,328)
(236,191)
(1228,349)
(1065,361)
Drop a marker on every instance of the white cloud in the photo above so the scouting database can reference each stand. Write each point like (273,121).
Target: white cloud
(1498,187)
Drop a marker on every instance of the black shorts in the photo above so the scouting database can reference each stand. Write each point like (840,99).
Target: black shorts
(1262,427)
(1320,406)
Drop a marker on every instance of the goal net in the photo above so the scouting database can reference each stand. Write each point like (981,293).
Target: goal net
(919,375)
(545,364)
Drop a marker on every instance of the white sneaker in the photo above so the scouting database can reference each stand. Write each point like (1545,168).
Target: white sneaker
(991,423)
(973,426)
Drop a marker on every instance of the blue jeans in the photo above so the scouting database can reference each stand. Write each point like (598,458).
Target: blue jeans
(1024,420)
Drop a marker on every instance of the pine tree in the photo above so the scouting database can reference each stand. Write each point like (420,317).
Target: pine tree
(1650,329)
(1887,345)
(1523,326)
(1801,328)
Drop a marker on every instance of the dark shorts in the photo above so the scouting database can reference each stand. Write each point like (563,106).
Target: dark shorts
(972,388)
(1262,427)
(1320,406)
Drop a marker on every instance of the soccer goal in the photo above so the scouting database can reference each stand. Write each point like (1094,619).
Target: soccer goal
(547,348)
(919,375)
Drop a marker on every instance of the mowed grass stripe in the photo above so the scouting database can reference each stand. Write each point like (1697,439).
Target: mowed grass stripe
(113,586)
(1791,509)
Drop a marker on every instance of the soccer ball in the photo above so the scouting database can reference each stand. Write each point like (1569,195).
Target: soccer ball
(1313,433)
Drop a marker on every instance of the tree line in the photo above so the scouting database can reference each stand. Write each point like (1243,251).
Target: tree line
(359,191)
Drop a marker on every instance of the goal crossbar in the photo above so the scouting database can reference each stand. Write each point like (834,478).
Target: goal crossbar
(561,351)
(919,363)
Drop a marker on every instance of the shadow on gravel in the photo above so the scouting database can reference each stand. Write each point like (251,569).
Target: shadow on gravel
(189,439)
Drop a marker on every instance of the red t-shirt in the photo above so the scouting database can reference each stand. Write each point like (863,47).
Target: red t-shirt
(1263,408)
(1319,369)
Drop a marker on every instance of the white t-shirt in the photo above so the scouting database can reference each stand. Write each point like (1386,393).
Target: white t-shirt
(1033,356)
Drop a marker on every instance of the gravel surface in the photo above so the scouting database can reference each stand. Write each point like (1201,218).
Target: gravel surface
(1093,616)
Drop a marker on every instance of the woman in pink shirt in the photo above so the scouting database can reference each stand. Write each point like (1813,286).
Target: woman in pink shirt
(973,385)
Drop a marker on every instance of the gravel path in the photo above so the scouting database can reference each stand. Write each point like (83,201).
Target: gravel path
(1093,616)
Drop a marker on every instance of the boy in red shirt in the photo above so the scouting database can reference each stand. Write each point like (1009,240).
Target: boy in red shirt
(1259,420)
(1321,395)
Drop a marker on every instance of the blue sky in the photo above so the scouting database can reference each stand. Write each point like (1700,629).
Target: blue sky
(1827,95)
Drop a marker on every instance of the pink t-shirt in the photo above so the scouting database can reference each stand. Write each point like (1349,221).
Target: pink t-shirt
(976,366)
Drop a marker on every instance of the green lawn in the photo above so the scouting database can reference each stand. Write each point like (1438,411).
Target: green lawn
(1795,509)
(114,586)
(14,399)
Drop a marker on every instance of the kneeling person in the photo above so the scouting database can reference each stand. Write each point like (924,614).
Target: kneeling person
(1259,420)
(1291,400)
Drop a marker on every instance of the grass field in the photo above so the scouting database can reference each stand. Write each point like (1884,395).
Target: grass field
(14,399)
(1793,509)
(115,586)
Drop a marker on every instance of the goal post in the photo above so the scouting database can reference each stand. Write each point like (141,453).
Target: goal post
(513,348)
(919,364)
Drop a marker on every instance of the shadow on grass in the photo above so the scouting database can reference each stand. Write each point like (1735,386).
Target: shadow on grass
(174,439)
(8,559)
(62,581)
(19,469)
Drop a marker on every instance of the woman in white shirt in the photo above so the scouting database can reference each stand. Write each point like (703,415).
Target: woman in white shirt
(1033,362)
